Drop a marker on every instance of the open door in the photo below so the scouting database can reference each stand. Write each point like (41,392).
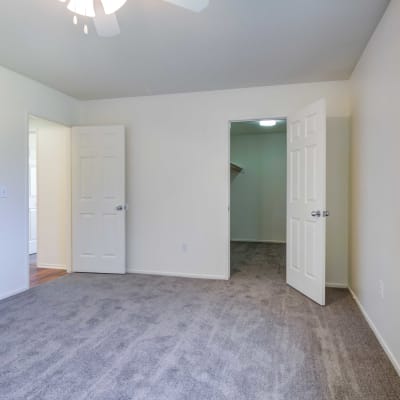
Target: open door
(98,199)
(306,208)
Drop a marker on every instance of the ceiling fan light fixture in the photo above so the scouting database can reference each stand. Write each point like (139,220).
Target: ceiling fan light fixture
(111,6)
(104,16)
(82,7)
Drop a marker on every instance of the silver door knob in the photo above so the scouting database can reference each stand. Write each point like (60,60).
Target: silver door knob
(120,208)
(316,214)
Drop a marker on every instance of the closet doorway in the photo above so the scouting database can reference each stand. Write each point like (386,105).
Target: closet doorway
(258,198)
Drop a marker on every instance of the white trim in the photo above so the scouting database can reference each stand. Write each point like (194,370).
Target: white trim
(259,241)
(13,293)
(381,340)
(337,285)
(228,200)
(176,274)
(26,205)
(51,266)
(68,222)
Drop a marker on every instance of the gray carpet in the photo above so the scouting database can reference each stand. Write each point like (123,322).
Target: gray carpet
(144,337)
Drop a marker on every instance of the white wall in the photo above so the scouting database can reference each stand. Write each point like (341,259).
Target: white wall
(258,193)
(337,200)
(178,168)
(53,192)
(375,230)
(18,97)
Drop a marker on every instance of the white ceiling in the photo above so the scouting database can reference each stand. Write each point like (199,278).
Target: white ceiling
(166,49)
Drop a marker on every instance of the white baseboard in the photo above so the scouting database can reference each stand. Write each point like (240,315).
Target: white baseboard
(51,266)
(381,340)
(337,285)
(12,293)
(175,274)
(259,241)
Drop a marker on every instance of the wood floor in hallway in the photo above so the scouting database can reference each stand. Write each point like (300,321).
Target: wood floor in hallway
(38,276)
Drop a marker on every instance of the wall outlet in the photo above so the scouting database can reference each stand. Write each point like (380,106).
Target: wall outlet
(381,289)
(3,192)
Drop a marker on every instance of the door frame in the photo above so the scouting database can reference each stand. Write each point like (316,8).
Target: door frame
(31,131)
(230,122)
(68,219)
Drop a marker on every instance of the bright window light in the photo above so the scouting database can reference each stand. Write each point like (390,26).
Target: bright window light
(268,122)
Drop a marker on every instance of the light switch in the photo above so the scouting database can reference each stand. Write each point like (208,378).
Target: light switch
(3,192)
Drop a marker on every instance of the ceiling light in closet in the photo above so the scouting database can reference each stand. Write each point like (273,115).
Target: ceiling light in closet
(268,122)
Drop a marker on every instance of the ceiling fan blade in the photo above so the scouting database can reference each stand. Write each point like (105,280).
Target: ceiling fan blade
(111,6)
(107,25)
(192,5)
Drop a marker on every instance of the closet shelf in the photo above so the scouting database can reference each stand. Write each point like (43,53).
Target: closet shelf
(236,168)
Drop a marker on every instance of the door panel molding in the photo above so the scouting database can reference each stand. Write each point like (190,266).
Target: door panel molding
(306,191)
(98,188)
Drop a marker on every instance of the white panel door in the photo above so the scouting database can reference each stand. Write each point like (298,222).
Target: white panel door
(306,222)
(98,199)
(32,193)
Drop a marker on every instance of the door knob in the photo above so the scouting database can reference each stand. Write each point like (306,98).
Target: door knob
(316,214)
(120,208)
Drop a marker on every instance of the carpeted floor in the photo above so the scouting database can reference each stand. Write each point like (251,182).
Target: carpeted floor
(154,338)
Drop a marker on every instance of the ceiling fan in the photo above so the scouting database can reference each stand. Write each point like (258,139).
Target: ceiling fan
(103,12)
